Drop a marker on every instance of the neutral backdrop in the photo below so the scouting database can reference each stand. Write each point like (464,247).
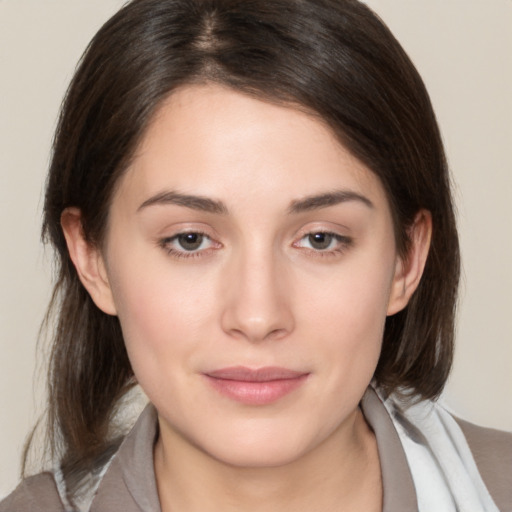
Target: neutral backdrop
(462,48)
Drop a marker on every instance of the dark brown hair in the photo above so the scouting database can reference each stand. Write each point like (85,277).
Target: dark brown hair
(334,58)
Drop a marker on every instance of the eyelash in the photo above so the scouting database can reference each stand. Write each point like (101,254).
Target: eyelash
(343,243)
(165,243)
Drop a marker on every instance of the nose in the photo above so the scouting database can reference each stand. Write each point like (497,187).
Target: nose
(257,299)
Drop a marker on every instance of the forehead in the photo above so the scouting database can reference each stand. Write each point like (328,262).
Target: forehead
(214,141)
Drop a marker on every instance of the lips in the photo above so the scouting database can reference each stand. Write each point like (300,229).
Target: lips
(255,386)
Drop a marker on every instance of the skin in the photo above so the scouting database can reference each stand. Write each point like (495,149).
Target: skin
(257,291)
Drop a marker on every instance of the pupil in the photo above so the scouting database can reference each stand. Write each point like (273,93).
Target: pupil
(320,240)
(190,241)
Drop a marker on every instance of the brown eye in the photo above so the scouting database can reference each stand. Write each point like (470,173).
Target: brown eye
(189,244)
(190,241)
(320,241)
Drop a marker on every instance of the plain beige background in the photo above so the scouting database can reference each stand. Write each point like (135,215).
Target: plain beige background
(462,48)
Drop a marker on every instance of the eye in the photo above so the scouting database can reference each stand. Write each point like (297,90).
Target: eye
(320,241)
(190,241)
(323,241)
(187,244)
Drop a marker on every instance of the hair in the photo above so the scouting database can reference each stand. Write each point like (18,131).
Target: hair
(334,58)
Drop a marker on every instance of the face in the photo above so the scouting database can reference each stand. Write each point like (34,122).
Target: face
(252,263)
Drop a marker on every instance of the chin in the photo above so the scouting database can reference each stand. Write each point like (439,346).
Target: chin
(260,445)
(257,456)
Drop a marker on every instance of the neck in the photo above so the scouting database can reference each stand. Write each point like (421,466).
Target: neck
(342,473)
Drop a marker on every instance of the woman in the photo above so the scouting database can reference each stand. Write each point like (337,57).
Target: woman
(251,208)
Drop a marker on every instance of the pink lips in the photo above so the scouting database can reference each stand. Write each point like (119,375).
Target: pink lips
(255,386)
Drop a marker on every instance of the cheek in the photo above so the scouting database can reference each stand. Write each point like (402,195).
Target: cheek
(349,312)
(162,313)
(352,299)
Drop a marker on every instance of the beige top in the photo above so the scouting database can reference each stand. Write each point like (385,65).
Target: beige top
(129,483)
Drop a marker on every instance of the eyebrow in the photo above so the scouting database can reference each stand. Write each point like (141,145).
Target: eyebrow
(194,202)
(209,205)
(327,199)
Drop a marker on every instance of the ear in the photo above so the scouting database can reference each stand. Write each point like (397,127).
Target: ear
(88,261)
(408,270)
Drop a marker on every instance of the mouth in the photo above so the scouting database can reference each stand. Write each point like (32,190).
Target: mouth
(260,386)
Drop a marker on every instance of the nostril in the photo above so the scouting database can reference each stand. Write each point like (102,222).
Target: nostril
(258,329)
(277,334)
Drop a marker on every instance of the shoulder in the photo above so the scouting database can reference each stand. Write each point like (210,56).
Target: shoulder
(492,451)
(34,494)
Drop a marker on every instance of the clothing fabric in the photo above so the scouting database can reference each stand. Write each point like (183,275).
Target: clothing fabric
(127,483)
(443,469)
